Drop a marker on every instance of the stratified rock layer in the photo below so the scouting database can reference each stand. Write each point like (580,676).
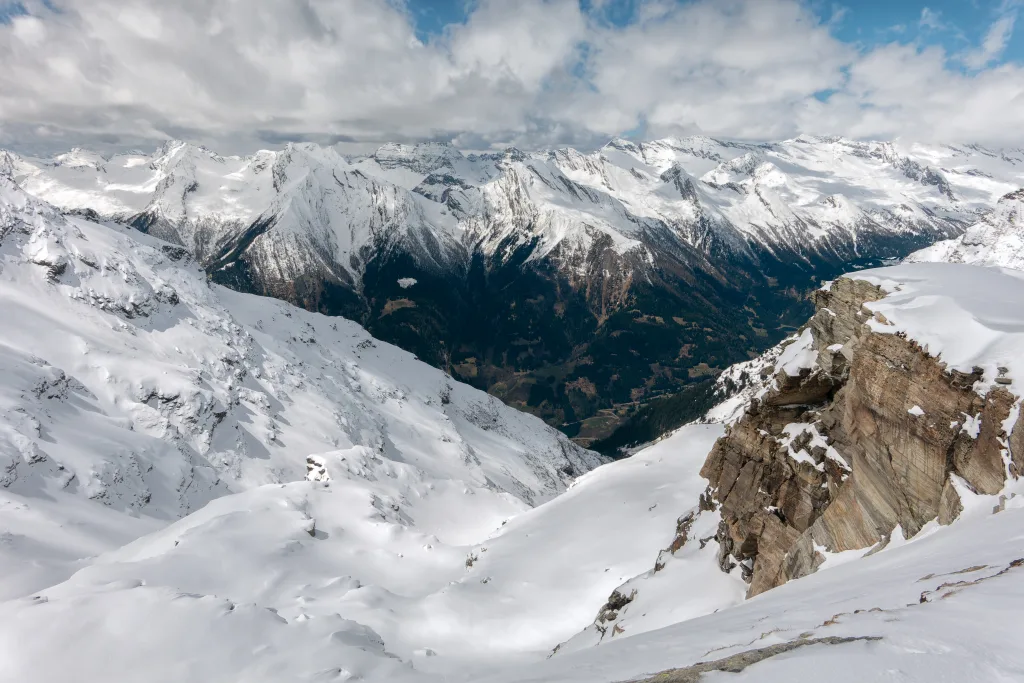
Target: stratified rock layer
(877,434)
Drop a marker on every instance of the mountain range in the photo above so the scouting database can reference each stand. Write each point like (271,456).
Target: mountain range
(576,286)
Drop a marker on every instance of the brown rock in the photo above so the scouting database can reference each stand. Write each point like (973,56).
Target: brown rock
(950,506)
(775,510)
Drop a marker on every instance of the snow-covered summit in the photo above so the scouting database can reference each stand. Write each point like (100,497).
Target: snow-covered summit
(996,240)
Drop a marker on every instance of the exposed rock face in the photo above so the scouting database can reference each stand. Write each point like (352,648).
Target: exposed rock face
(877,434)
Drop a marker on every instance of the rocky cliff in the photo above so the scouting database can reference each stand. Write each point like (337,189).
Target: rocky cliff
(863,434)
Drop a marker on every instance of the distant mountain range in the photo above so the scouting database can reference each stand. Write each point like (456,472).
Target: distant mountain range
(572,285)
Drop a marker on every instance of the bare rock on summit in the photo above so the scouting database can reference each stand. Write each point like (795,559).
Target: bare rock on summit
(869,439)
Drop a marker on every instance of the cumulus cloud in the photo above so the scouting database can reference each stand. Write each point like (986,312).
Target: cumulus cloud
(238,75)
(728,67)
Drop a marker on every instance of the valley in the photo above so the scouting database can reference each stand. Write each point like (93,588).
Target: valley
(570,285)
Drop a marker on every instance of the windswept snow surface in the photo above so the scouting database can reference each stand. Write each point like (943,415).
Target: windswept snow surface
(942,606)
(968,316)
(554,566)
(312,569)
(253,587)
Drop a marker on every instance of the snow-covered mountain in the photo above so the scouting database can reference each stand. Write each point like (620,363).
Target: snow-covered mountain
(807,194)
(132,382)
(201,484)
(996,240)
(532,274)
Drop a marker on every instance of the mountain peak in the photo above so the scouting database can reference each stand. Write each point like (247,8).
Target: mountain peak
(6,164)
(996,240)
(1015,196)
(78,157)
(621,143)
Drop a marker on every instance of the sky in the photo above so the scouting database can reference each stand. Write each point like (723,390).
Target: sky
(238,75)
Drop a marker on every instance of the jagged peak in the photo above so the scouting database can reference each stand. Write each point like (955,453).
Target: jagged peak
(7,161)
(688,141)
(312,153)
(423,157)
(172,150)
(512,154)
(621,144)
(1015,196)
(744,165)
(79,156)
(417,150)
(806,139)
(569,152)
(14,201)
(168,147)
(674,171)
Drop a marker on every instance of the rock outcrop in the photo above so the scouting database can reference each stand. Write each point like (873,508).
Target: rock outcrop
(869,434)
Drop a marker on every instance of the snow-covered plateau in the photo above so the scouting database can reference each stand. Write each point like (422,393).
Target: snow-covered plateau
(198,484)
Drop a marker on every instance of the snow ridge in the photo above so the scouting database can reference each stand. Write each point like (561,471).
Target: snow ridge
(996,240)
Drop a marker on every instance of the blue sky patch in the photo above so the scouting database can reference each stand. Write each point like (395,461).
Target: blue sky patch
(956,25)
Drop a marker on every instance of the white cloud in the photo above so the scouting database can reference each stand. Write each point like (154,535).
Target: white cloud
(900,90)
(993,45)
(237,75)
(725,67)
(931,19)
(279,68)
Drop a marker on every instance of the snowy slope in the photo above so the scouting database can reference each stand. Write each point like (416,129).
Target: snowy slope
(941,607)
(944,602)
(130,382)
(313,568)
(206,485)
(996,240)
